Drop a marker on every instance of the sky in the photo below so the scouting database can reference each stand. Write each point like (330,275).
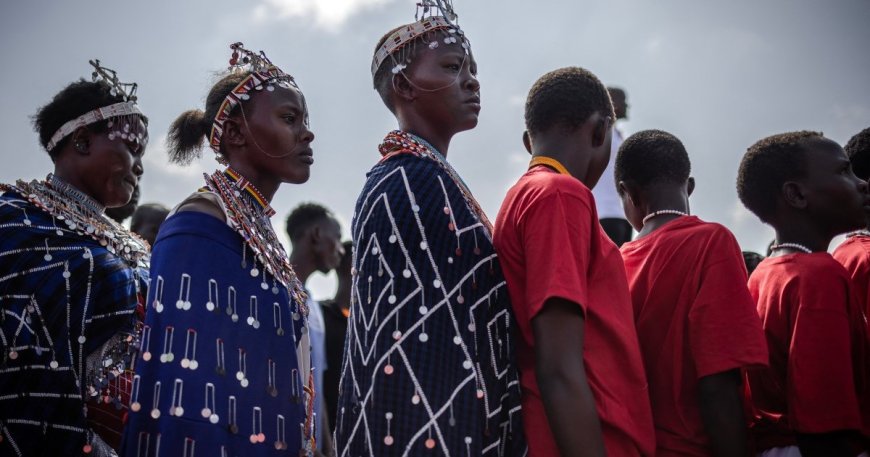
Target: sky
(719,75)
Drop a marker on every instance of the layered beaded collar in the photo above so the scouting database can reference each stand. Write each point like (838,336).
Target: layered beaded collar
(249,214)
(80,214)
(400,142)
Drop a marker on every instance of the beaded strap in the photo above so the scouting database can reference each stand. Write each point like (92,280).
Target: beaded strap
(399,142)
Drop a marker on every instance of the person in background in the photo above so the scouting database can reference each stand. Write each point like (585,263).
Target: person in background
(335,313)
(607,200)
(147,220)
(811,399)
(316,238)
(689,274)
(854,253)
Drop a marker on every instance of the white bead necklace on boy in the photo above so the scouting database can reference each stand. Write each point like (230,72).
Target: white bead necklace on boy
(863,232)
(795,246)
(662,212)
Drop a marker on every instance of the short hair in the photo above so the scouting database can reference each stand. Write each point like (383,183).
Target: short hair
(184,140)
(145,212)
(652,156)
(858,150)
(566,97)
(383,77)
(752,259)
(770,163)
(72,101)
(305,216)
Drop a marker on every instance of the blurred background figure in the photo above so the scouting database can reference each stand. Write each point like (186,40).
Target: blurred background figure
(147,220)
(316,238)
(752,259)
(607,201)
(335,314)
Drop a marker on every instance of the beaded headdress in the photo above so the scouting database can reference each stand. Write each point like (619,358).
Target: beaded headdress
(125,120)
(264,75)
(431,15)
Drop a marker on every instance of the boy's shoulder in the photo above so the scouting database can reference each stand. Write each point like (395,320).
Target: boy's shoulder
(816,269)
(540,184)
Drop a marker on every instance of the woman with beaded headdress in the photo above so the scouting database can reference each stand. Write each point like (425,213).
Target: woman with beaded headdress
(71,279)
(429,362)
(224,366)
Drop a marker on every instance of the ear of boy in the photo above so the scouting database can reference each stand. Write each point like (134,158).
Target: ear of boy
(794,195)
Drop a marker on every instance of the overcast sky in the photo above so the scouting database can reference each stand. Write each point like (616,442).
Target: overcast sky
(719,75)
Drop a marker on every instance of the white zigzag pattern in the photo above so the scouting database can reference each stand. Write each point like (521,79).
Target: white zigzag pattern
(363,344)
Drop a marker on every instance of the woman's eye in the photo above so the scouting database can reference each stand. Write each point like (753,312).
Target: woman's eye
(290,118)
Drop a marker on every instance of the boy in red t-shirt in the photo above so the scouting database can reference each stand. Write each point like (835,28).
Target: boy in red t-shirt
(854,253)
(584,388)
(696,322)
(802,184)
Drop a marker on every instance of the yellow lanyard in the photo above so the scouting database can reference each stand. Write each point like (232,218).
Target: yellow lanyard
(550,162)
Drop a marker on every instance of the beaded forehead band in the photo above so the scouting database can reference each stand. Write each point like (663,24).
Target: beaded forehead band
(431,16)
(125,119)
(264,75)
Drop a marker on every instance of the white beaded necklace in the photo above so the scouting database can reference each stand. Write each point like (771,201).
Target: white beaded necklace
(662,212)
(862,232)
(795,246)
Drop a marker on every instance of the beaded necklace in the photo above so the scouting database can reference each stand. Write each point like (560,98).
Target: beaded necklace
(662,212)
(81,214)
(795,246)
(250,218)
(399,142)
(862,232)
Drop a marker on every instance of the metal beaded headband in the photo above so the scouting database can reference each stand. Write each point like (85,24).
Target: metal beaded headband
(432,15)
(264,74)
(126,108)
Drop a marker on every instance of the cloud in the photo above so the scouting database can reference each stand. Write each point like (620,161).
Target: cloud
(327,14)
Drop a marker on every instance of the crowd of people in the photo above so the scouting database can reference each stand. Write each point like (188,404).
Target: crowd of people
(595,317)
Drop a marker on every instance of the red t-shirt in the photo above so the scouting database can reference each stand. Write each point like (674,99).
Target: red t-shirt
(550,244)
(854,254)
(817,338)
(694,318)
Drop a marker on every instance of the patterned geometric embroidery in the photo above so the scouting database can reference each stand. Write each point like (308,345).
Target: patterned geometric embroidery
(428,359)
(218,373)
(67,333)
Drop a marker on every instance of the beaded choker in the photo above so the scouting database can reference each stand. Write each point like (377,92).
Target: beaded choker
(81,214)
(663,212)
(399,142)
(863,232)
(795,246)
(250,218)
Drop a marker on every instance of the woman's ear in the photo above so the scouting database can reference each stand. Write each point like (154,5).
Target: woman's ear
(403,88)
(233,133)
(81,141)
